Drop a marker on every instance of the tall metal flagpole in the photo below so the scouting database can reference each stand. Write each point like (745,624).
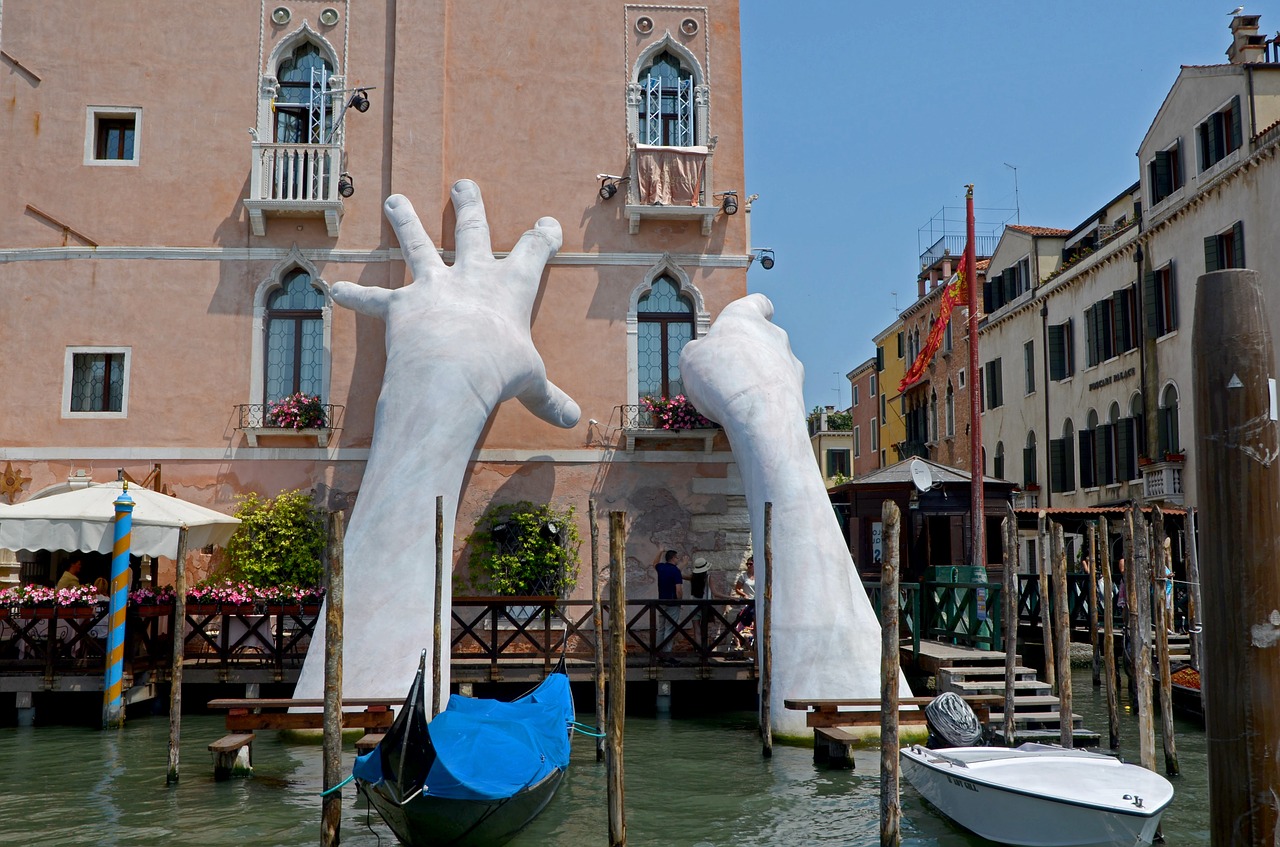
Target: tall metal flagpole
(112,688)
(977,554)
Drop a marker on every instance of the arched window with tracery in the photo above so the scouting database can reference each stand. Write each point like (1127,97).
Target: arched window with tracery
(303,106)
(294,330)
(1168,419)
(666,103)
(665,323)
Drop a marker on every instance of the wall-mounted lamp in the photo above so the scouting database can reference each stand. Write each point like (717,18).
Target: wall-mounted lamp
(609,185)
(765,256)
(346,185)
(359,101)
(729,202)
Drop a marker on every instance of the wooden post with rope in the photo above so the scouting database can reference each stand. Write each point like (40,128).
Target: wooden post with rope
(597,614)
(1109,635)
(1091,573)
(179,645)
(1140,602)
(617,676)
(1011,561)
(1062,636)
(890,668)
(331,805)
(1042,591)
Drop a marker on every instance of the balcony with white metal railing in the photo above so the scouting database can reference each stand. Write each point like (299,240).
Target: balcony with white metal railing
(295,180)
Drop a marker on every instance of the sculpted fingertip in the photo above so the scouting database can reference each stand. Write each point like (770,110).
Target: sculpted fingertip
(394,202)
(464,189)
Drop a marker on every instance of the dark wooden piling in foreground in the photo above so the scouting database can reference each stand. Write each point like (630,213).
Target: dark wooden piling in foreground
(179,646)
(1062,636)
(764,628)
(1010,600)
(1109,634)
(597,614)
(1129,621)
(890,800)
(1091,545)
(1141,607)
(1042,585)
(1236,438)
(1195,613)
(617,676)
(440,655)
(1163,618)
(331,804)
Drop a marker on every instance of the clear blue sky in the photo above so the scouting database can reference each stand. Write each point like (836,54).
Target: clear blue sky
(863,120)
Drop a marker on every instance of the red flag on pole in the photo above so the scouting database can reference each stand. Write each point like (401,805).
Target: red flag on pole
(955,293)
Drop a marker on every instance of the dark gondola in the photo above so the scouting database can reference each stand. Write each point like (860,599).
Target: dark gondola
(477,773)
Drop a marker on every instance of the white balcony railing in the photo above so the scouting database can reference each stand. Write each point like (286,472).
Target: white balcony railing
(1162,482)
(295,180)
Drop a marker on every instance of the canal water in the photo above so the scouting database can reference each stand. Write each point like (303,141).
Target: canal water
(688,782)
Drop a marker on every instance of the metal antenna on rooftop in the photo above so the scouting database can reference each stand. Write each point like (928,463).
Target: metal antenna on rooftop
(1016,205)
(895,301)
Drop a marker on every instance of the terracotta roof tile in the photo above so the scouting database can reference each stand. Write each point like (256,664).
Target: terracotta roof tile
(1038,230)
(983,264)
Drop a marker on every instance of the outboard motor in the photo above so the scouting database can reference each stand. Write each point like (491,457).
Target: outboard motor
(952,723)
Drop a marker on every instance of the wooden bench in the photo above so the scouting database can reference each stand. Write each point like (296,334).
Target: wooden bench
(832,747)
(248,714)
(232,756)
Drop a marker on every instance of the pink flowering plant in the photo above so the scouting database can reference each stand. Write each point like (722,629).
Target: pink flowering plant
(148,596)
(674,413)
(297,411)
(32,596)
(232,593)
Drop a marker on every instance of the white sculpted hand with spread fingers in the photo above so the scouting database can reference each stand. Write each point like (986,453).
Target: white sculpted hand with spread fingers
(825,636)
(457,345)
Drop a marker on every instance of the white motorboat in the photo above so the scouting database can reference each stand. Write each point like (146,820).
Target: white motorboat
(1040,795)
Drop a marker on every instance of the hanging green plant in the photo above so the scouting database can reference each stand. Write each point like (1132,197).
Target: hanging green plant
(522,549)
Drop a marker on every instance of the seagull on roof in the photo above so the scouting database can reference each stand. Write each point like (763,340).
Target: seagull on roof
(1237,10)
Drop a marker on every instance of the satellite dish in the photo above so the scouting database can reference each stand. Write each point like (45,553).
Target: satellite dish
(921,475)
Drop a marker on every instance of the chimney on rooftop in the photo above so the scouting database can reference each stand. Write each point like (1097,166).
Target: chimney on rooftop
(1247,45)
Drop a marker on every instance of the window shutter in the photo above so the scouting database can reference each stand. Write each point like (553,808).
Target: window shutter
(1057,353)
(1150,308)
(1028,466)
(1237,233)
(1124,452)
(1086,458)
(1099,456)
(1171,307)
(1237,135)
(987,306)
(1160,188)
(999,382)
(1179,178)
(1118,323)
(879,359)
(1211,254)
(1056,471)
(1010,277)
(1068,465)
(1069,346)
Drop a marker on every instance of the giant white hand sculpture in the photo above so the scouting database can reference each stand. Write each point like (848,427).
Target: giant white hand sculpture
(458,344)
(826,639)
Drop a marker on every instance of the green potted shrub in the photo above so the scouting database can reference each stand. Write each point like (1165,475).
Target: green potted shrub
(524,550)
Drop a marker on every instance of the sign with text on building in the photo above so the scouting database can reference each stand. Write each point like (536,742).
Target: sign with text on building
(1110,378)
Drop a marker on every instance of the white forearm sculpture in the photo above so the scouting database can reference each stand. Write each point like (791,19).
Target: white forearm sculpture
(457,345)
(825,636)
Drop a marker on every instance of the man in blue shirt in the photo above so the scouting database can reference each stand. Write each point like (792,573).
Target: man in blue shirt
(670,587)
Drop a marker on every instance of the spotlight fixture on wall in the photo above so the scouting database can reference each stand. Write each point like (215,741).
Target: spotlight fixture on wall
(729,202)
(765,256)
(346,185)
(359,101)
(609,185)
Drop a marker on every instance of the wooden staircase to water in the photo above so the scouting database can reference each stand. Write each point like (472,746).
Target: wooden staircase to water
(1036,718)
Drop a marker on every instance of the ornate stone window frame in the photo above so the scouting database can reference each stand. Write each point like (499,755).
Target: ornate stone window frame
(666,266)
(274,282)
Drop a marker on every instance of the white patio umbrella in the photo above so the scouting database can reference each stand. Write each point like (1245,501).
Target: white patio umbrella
(84,520)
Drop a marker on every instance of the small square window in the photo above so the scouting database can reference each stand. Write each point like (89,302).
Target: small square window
(96,382)
(112,136)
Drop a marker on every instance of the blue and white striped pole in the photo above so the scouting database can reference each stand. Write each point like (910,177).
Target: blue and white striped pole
(112,687)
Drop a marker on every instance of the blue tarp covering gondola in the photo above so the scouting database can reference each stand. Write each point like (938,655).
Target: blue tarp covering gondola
(476,749)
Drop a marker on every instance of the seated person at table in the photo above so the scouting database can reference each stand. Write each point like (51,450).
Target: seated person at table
(71,576)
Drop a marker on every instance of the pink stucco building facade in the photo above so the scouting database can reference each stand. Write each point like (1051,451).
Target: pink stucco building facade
(180,195)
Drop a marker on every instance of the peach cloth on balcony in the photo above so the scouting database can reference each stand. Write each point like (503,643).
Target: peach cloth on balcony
(670,176)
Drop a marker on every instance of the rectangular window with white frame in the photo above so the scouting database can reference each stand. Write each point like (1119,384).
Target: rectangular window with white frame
(112,135)
(857,441)
(95,382)
(1220,134)
(1029,366)
(1164,172)
(855,395)
(1160,301)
